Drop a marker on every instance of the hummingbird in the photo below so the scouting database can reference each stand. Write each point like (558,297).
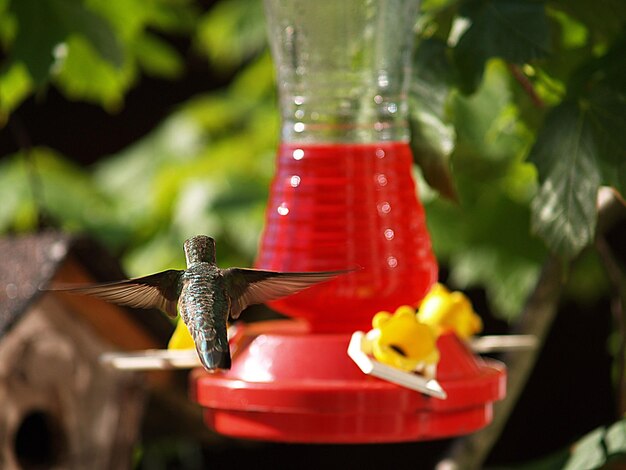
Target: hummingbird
(205,295)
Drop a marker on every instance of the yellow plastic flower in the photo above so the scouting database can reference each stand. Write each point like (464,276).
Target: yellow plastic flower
(445,311)
(181,339)
(401,341)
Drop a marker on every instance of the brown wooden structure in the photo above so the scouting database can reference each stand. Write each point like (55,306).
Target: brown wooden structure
(60,406)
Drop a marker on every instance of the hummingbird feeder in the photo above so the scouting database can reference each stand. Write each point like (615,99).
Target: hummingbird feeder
(343,197)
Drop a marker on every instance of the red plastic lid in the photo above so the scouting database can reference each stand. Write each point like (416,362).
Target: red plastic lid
(291,386)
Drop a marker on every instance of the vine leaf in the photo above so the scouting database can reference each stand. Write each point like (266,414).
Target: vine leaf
(564,210)
(431,142)
(514,30)
(598,447)
(607,113)
(432,138)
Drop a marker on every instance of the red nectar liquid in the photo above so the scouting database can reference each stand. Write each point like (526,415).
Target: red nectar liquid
(343,206)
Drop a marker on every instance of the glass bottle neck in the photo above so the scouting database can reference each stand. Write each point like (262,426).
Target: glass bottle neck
(342,68)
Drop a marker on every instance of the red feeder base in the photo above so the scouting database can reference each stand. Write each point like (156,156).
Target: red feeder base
(291,386)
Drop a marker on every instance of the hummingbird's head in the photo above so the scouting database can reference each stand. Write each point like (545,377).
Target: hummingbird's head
(200,249)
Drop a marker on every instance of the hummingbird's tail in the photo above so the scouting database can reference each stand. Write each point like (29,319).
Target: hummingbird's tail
(213,350)
(214,359)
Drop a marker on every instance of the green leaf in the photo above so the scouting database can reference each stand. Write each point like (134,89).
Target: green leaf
(431,142)
(131,17)
(490,137)
(564,210)
(615,438)
(256,80)
(17,211)
(45,25)
(514,30)
(15,86)
(68,193)
(607,115)
(599,85)
(45,182)
(88,77)
(157,57)
(78,19)
(605,18)
(507,277)
(588,452)
(232,32)
(597,88)
(432,138)
(574,34)
(128,17)
(40,31)
(485,239)
(587,281)
(218,112)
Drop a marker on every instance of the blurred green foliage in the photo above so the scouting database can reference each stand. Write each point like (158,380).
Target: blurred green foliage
(517,114)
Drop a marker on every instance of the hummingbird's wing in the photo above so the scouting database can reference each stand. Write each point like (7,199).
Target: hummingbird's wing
(253,286)
(160,290)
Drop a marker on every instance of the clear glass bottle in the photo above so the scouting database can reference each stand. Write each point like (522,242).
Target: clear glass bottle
(343,195)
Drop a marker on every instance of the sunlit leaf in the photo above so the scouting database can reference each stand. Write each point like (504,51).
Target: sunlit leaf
(232,32)
(514,30)
(218,112)
(615,438)
(94,28)
(85,76)
(256,81)
(490,137)
(156,57)
(564,210)
(128,17)
(605,19)
(574,34)
(17,211)
(15,86)
(172,16)
(588,452)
